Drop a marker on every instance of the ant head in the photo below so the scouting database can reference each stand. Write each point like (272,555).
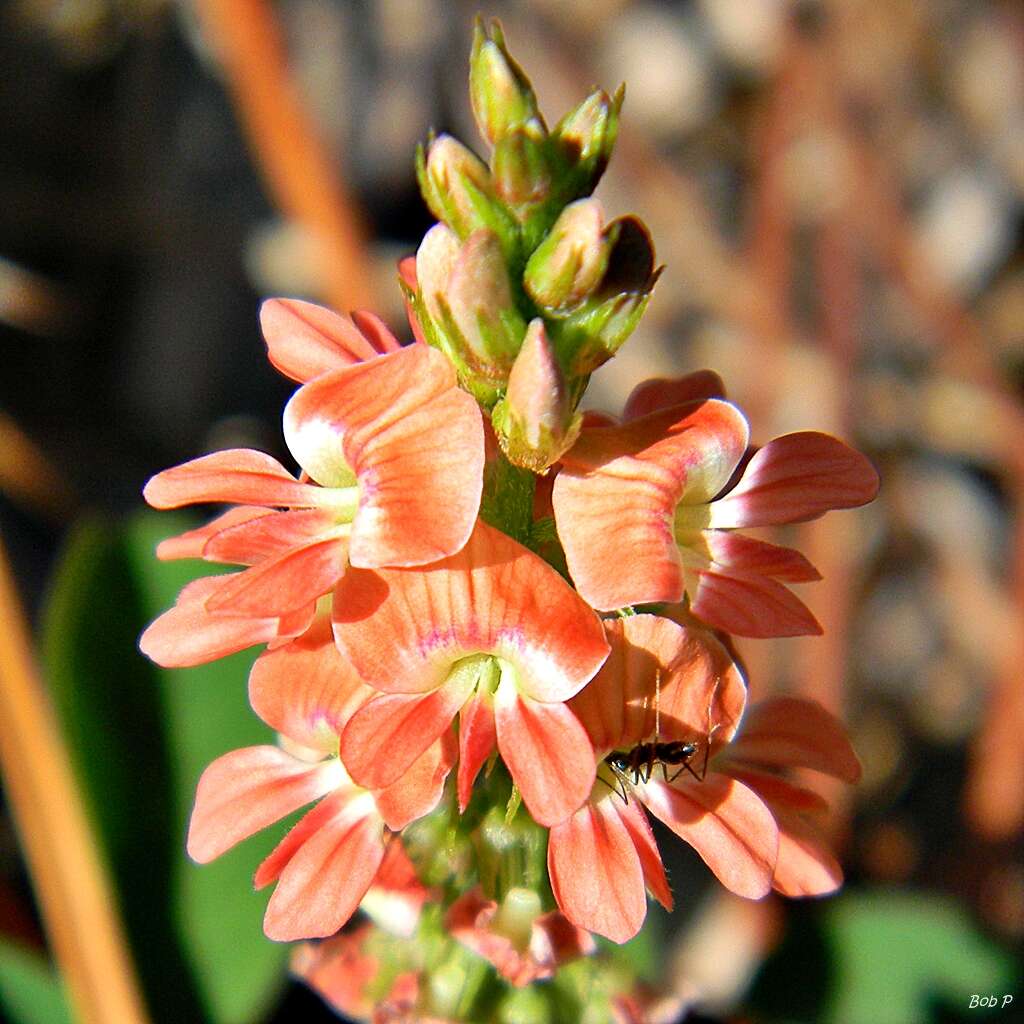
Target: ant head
(617,761)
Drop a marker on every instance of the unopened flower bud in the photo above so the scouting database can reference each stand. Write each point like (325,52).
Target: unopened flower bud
(457,187)
(466,293)
(572,260)
(594,331)
(586,137)
(522,169)
(535,422)
(500,92)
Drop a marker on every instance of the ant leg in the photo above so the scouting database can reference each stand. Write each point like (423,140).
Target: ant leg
(686,767)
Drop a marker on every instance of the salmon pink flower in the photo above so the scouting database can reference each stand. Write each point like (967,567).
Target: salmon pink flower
(523,944)
(661,682)
(305,340)
(779,735)
(492,634)
(650,494)
(328,861)
(395,454)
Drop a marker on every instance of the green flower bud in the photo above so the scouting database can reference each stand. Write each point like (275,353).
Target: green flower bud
(586,136)
(456,184)
(466,293)
(499,90)
(522,170)
(593,332)
(535,422)
(572,260)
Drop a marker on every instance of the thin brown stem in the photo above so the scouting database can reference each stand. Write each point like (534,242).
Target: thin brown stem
(72,888)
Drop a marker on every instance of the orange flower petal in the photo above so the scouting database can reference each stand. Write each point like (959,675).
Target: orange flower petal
(647,850)
(661,393)
(415,443)
(308,825)
(788,732)
(726,823)
(596,874)
(735,551)
(305,690)
(795,478)
(321,886)
(616,495)
(403,630)
(188,634)
(750,605)
(477,737)
(419,788)
(238,475)
(267,536)
(684,671)
(547,753)
(305,340)
(806,866)
(385,736)
(192,543)
(245,791)
(291,580)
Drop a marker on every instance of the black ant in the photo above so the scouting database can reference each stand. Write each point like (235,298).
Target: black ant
(637,765)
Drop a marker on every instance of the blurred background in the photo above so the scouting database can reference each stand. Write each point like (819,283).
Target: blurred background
(836,189)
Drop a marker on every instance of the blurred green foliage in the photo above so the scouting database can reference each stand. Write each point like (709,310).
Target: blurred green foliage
(884,957)
(30,990)
(139,737)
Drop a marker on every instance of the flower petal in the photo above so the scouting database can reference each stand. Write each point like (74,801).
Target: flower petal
(547,753)
(750,605)
(806,866)
(726,823)
(417,791)
(308,825)
(305,340)
(188,634)
(268,536)
(661,393)
(795,478)
(415,443)
(596,874)
(736,551)
(192,543)
(305,690)
(403,630)
(321,886)
(639,829)
(789,732)
(616,495)
(659,669)
(385,736)
(247,790)
(287,581)
(238,475)
(477,737)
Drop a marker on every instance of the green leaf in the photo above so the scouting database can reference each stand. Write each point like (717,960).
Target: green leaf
(30,989)
(139,737)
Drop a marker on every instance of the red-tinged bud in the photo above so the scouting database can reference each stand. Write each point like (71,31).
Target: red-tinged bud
(465,295)
(521,167)
(594,331)
(586,137)
(499,90)
(572,260)
(457,187)
(535,422)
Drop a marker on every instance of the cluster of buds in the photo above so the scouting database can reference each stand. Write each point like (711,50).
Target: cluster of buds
(521,283)
(498,629)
